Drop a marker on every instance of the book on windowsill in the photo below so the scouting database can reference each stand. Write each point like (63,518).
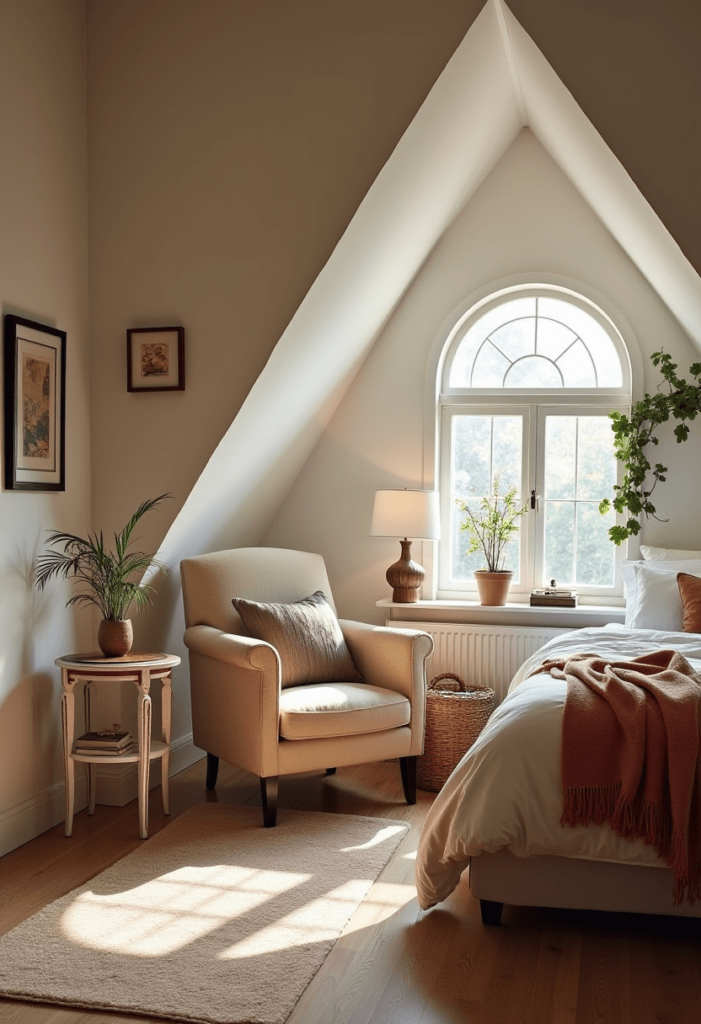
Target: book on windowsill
(113,743)
(551,598)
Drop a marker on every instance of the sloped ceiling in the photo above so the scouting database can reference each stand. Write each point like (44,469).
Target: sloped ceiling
(496,82)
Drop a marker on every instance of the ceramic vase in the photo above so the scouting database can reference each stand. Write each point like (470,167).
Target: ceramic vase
(115,637)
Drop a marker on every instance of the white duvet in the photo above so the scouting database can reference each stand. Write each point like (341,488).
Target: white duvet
(506,793)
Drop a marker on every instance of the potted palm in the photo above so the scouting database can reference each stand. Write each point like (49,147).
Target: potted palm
(108,579)
(490,527)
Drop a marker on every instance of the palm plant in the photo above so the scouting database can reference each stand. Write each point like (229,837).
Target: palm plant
(106,577)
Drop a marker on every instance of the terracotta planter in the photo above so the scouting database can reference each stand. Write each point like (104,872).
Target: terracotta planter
(115,637)
(493,587)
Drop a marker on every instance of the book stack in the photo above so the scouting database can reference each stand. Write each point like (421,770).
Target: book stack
(105,742)
(549,597)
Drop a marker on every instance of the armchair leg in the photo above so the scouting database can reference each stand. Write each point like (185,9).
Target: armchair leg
(408,770)
(212,771)
(330,771)
(268,795)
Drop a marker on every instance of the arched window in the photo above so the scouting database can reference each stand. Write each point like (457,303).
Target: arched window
(527,383)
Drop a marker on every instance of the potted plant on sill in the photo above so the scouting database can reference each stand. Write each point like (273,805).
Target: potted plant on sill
(106,577)
(490,527)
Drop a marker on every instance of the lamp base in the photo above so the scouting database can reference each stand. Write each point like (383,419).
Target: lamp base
(405,577)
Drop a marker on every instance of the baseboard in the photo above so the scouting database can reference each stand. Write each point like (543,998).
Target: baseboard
(115,785)
(39,813)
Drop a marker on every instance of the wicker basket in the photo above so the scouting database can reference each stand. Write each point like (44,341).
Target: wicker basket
(455,716)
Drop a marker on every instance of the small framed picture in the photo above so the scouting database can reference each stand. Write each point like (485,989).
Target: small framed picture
(35,406)
(156,359)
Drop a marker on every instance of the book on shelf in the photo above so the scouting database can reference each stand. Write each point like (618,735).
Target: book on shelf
(131,748)
(105,741)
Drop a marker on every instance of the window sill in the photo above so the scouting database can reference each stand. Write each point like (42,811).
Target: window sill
(510,614)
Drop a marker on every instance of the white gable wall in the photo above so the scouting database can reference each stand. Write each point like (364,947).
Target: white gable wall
(526,219)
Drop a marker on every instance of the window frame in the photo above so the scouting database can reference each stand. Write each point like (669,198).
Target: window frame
(534,405)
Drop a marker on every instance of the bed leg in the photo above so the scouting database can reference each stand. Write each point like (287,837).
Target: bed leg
(491,912)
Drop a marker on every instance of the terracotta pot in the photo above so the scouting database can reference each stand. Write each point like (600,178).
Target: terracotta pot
(493,587)
(115,637)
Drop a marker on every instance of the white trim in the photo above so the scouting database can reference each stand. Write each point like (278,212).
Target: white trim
(116,786)
(37,814)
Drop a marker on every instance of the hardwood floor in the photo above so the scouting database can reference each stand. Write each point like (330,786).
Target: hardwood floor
(394,964)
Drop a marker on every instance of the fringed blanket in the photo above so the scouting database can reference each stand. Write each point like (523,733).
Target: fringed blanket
(630,754)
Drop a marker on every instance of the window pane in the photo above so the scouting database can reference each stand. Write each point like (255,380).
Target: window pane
(536,342)
(553,338)
(508,441)
(596,464)
(533,372)
(560,456)
(461,369)
(472,455)
(593,335)
(482,447)
(596,555)
(490,367)
(559,541)
(515,339)
(577,368)
(579,464)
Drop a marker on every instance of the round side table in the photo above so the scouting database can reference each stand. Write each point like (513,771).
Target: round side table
(136,668)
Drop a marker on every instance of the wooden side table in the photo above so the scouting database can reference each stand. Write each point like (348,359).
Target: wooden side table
(136,668)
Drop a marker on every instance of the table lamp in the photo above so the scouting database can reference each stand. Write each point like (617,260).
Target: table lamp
(403,514)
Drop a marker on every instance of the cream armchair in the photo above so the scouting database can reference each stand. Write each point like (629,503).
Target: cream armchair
(241,714)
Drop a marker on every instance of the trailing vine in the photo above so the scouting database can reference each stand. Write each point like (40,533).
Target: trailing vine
(676,398)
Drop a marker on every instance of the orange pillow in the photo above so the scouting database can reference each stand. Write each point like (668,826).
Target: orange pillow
(690,590)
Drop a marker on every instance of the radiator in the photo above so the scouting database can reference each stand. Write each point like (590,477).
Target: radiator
(483,655)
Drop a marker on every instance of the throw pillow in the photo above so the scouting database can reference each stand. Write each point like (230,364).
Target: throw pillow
(306,635)
(690,590)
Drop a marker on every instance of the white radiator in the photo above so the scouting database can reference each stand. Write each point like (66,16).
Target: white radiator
(484,655)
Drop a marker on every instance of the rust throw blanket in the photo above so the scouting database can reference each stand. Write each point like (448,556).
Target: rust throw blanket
(630,754)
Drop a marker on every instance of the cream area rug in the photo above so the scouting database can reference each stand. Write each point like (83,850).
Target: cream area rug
(214,919)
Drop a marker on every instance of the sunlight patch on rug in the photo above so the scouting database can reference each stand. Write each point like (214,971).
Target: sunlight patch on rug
(167,913)
(214,920)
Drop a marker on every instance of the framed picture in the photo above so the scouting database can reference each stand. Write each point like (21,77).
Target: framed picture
(156,359)
(35,406)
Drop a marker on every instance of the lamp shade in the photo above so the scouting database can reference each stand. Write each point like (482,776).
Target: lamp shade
(406,513)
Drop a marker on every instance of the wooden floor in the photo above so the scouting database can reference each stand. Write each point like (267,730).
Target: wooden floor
(394,964)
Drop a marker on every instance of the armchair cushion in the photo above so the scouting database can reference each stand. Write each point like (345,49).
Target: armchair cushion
(307,637)
(340,709)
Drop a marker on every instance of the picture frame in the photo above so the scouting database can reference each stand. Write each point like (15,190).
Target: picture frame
(156,359)
(35,405)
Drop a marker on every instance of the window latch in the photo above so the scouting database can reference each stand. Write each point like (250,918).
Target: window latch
(535,501)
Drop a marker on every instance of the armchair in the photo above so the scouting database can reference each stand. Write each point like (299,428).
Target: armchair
(241,713)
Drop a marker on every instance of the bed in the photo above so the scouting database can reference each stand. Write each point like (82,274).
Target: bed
(498,815)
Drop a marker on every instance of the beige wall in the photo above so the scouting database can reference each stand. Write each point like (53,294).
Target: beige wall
(230,144)
(526,220)
(43,276)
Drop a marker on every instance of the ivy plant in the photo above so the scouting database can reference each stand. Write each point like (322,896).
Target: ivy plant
(675,398)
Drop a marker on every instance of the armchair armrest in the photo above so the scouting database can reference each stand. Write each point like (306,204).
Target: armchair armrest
(394,658)
(235,693)
(243,651)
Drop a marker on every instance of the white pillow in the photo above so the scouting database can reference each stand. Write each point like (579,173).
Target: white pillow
(653,600)
(652,554)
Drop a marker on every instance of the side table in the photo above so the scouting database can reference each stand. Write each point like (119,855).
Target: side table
(136,668)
